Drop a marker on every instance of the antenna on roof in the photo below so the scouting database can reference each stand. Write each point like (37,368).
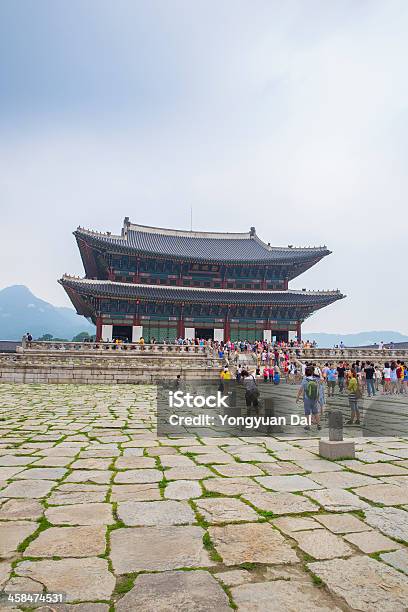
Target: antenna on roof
(191,217)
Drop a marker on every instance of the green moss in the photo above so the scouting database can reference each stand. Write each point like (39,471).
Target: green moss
(316,580)
(124,584)
(43,524)
(248,566)
(209,546)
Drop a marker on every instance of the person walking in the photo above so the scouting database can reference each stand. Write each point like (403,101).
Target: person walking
(405,381)
(354,395)
(331,376)
(393,378)
(341,372)
(369,372)
(251,390)
(387,378)
(400,375)
(378,376)
(309,392)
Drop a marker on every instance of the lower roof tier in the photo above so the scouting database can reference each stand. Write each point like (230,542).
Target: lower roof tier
(166,293)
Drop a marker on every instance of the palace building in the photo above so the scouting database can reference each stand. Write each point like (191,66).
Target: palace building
(164,284)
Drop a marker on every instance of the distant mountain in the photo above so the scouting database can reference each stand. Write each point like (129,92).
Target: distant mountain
(360,339)
(21,311)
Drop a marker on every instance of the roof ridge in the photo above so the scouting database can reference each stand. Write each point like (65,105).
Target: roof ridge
(164,231)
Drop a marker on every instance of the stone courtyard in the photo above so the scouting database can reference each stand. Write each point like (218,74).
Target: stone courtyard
(94,505)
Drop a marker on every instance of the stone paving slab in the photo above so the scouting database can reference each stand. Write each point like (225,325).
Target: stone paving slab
(291,525)
(80,514)
(16,509)
(147,513)
(287,483)
(182,489)
(225,510)
(80,579)
(391,521)
(13,533)
(322,544)
(337,500)
(79,467)
(387,494)
(251,543)
(371,542)
(364,583)
(375,469)
(280,503)
(136,549)
(398,559)
(86,541)
(342,523)
(282,595)
(138,476)
(28,489)
(178,591)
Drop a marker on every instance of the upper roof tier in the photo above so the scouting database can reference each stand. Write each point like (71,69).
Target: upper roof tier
(198,246)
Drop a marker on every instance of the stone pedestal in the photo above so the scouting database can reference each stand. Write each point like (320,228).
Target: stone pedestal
(330,449)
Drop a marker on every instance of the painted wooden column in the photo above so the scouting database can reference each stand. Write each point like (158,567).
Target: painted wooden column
(98,329)
(137,329)
(299,330)
(264,278)
(180,323)
(180,276)
(137,275)
(227,326)
(224,277)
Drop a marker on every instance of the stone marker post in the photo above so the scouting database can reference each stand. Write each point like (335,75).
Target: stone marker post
(335,425)
(335,447)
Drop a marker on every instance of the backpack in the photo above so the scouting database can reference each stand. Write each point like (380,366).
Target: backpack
(252,388)
(312,390)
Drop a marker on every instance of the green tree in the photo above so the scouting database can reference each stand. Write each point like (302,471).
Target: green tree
(45,337)
(81,337)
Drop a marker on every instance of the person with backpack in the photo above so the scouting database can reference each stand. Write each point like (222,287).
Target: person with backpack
(309,390)
(251,390)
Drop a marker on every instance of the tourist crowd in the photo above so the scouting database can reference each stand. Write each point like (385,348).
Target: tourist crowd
(317,383)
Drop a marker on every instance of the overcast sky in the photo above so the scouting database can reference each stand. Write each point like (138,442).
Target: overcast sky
(289,116)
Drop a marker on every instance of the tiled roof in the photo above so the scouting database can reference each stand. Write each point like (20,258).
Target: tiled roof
(204,246)
(111,289)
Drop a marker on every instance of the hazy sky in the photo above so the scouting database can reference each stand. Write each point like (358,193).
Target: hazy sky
(289,116)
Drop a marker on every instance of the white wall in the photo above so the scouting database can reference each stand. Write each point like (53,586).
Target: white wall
(218,334)
(189,333)
(107,332)
(137,332)
(267,335)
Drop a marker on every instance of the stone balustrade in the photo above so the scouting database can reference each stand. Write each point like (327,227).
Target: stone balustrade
(307,354)
(352,354)
(40,346)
